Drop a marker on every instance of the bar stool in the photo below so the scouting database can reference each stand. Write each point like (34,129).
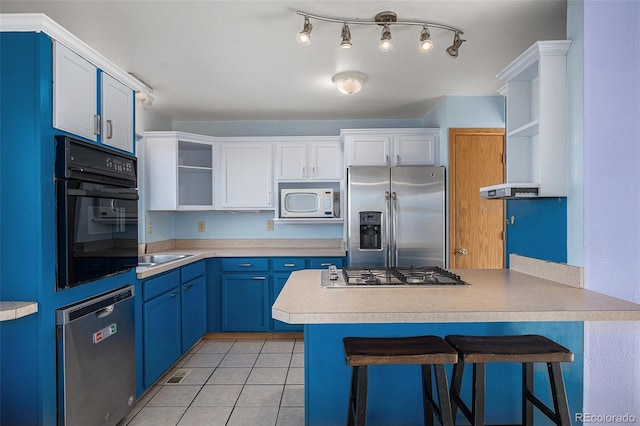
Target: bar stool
(525,349)
(360,352)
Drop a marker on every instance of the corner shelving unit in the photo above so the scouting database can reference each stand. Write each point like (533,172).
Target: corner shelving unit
(536,146)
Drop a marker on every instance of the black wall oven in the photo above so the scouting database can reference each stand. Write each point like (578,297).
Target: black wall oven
(97,212)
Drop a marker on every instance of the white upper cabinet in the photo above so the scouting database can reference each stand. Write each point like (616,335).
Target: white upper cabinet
(390,147)
(311,159)
(247,176)
(74,93)
(536,146)
(75,105)
(179,171)
(117,113)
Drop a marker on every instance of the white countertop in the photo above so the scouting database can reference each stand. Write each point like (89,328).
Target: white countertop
(495,295)
(203,249)
(15,310)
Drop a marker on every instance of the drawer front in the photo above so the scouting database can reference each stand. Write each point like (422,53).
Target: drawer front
(241,264)
(193,270)
(324,262)
(159,285)
(284,264)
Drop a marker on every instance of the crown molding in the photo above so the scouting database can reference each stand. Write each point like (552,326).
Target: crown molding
(39,22)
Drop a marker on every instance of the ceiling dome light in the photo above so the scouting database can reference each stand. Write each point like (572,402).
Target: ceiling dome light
(452,50)
(346,37)
(349,82)
(425,41)
(304,36)
(385,39)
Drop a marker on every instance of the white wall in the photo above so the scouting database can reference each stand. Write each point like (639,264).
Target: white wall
(612,200)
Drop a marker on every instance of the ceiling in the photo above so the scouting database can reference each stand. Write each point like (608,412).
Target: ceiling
(239,60)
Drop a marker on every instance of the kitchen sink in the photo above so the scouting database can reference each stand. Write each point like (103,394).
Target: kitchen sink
(159,259)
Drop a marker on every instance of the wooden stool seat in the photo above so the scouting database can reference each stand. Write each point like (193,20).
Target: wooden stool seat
(525,349)
(398,350)
(360,352)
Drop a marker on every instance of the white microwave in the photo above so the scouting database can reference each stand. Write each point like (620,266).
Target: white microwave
(310,202)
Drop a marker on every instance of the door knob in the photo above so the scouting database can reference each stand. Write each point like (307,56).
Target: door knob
(462,252)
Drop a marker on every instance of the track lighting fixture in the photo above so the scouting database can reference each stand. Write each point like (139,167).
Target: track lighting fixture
(453,49)
(385,19)
(304,36)
(425,41)
(346,37)
(385,39)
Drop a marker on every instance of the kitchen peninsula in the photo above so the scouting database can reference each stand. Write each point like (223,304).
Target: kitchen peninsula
(525,299)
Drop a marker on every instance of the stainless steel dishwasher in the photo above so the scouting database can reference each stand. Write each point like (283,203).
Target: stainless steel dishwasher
(96,359)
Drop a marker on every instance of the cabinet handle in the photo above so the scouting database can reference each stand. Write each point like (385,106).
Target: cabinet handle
(245,265)
(109,129)
(289,265)
(314,171)
(96,124)
(258,278)
(269,198)
(386,159)
(397,159)
(304,171)
(174,294)
(187,286)
(325,264)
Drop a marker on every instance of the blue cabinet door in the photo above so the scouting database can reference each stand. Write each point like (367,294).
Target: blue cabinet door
(194,311)
(244,302)
(161,335)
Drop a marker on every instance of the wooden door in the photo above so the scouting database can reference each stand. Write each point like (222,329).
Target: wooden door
(476,224)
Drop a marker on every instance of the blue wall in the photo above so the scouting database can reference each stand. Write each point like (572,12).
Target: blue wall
(28,232)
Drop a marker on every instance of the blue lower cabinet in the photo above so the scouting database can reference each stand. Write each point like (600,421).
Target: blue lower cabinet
(174,317)
(194,311)
(283,266)
(244,302)
(161,334)
(324,262)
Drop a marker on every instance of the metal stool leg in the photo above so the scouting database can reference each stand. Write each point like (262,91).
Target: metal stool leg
(358,396)
(427,394)
(477,407)
(446,416)
(527,391)
(456,385)
(560,402)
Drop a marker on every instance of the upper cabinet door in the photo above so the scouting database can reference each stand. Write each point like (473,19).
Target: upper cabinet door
(247,176)
(291,161)
(415,150)
(367,149)
(326,160)
(74,93)
(117,114)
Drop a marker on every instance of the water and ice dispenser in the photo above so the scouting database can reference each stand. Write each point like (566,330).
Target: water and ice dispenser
(370,230)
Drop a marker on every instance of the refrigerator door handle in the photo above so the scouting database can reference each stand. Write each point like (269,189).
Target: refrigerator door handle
(389,239)
(394,207)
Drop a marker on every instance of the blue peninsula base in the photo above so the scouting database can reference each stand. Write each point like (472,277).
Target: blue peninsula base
(395,391)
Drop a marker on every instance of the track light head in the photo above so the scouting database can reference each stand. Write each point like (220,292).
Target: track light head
(452,50)
(346,37)
(425,41)
(304,36)
(385,39)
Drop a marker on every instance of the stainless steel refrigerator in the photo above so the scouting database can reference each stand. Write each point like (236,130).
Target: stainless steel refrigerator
(396,216)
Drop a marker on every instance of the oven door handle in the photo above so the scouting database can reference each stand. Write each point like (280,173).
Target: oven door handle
(124,195)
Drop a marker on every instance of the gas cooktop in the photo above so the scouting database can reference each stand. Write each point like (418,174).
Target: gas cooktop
(424,276)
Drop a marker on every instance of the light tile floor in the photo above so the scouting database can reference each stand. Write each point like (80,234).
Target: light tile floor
(230,382)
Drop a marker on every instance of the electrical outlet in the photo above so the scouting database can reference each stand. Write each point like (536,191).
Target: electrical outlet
(269,224)
(201,226)
(150,227)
